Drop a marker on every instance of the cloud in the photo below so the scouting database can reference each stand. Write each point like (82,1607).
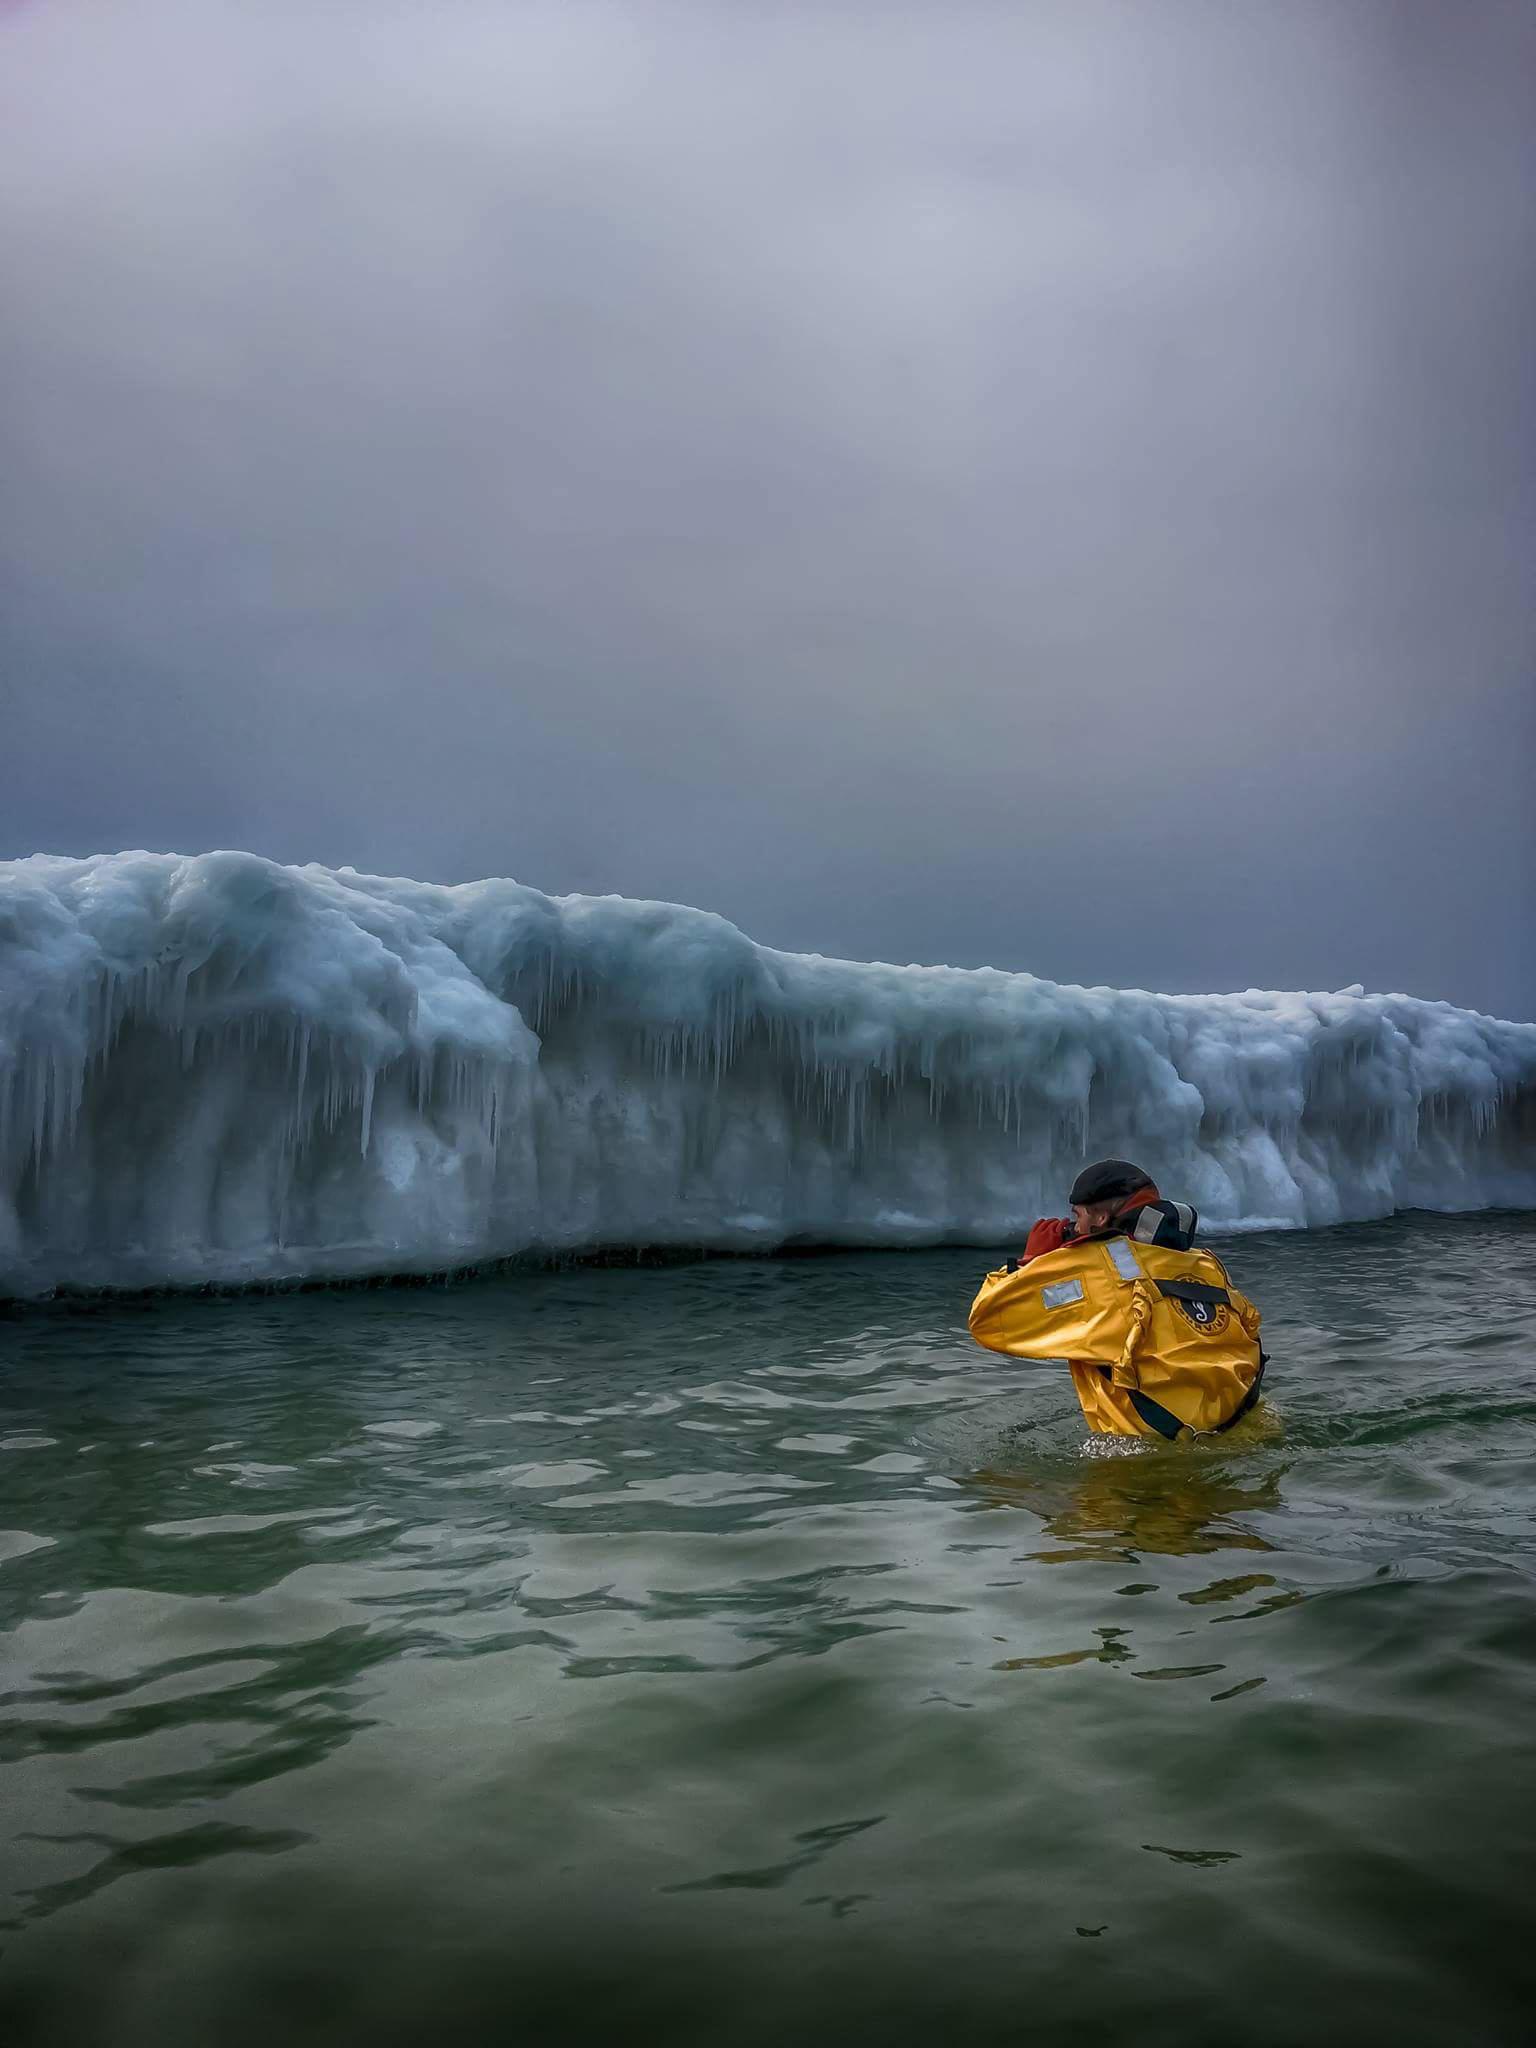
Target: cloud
(1047,486)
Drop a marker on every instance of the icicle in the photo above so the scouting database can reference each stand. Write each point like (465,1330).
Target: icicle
(367,1109)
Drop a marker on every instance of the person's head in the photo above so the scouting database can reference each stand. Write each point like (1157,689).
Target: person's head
(1102,1190)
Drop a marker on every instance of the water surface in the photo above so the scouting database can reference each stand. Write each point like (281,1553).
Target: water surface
(734,1651)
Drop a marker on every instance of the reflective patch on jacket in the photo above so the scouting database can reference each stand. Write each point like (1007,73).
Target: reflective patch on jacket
(1061,1294)
(1122,1258)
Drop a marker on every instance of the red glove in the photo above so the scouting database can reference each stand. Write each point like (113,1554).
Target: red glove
(1048,1235)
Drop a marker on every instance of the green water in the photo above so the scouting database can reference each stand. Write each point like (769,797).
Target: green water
(735,1653)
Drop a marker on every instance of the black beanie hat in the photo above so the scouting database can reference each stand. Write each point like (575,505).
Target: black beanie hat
(1107,1180)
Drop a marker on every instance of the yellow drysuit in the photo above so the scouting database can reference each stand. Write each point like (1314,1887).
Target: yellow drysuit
(1159,1341)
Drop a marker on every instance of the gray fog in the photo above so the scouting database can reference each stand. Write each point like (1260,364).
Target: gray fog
(1048,485)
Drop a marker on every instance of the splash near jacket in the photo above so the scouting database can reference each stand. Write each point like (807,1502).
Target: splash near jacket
(1159,1340)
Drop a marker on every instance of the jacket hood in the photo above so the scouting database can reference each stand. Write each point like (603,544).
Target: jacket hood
(1171,1224)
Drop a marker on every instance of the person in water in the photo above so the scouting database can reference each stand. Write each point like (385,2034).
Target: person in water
(1158,1340)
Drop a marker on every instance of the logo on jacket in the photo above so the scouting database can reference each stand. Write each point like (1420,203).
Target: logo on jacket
(1209,1317)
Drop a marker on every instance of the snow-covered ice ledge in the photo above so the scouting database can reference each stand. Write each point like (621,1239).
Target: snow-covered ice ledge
(218,1069)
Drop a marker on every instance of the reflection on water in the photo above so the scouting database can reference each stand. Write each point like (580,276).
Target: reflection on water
(1172,1501)
(736,1650)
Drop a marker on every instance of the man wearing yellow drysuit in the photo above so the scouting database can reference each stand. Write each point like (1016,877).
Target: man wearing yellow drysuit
(1159,1341)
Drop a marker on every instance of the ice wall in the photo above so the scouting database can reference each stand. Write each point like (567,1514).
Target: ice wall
(222,1070)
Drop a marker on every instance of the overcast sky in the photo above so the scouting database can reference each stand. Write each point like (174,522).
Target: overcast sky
(1042,484)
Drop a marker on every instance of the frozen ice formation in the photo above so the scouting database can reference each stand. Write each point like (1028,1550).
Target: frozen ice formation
(222,1070)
